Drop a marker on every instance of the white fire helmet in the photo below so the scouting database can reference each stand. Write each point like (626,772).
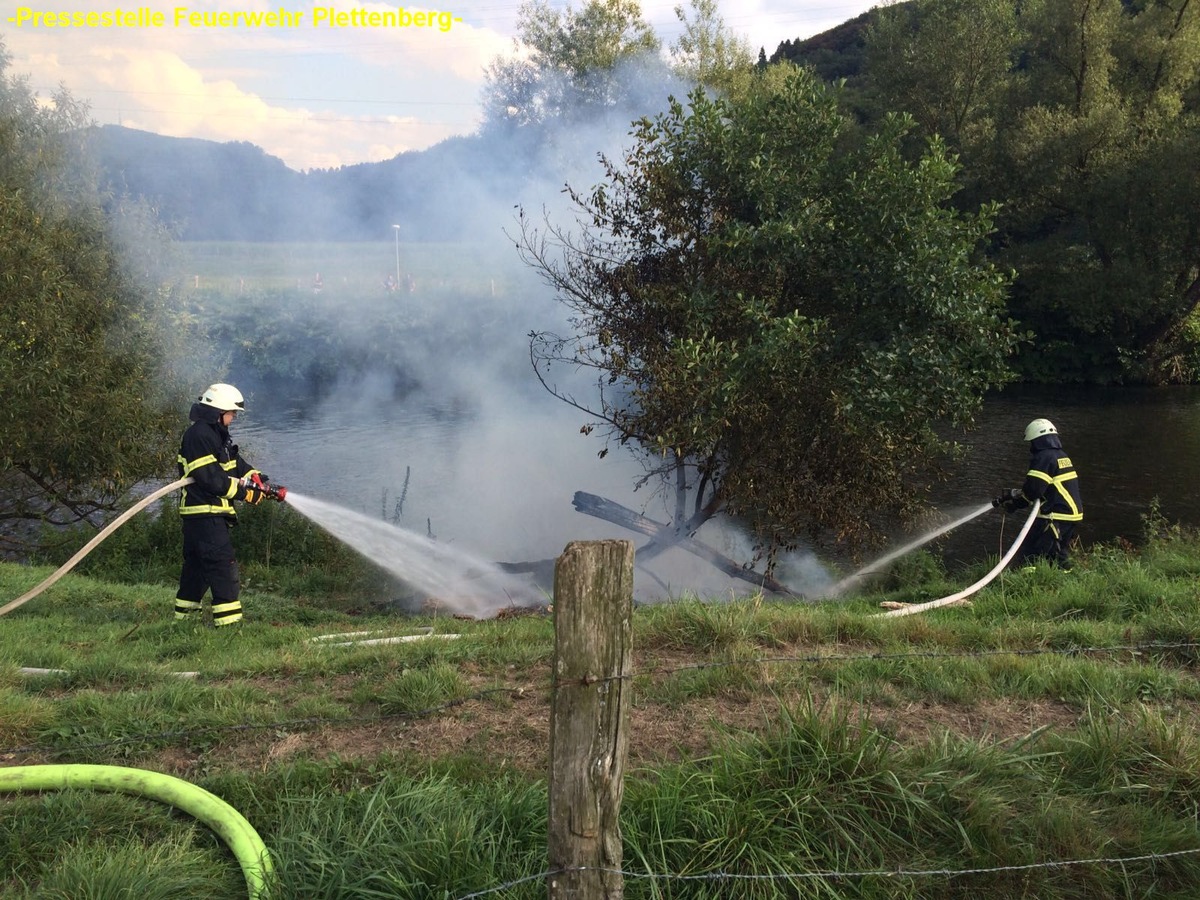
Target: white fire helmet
(1039,427)
(224,397)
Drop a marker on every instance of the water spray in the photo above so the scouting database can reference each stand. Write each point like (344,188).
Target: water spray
(454,579)
(878,564)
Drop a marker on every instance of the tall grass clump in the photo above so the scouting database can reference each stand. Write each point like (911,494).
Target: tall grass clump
(823,795)
(82,844)
(168,870)
(407,837)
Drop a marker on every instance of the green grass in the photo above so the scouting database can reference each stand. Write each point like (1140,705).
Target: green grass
(797,750)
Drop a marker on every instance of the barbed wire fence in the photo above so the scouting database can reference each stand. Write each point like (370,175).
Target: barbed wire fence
(1189,650)
(892,874)
(658,672)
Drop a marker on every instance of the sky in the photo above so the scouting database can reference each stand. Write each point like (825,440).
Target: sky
(317,86)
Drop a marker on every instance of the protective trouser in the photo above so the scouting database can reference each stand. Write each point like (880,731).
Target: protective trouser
(1049,540)
(208,563)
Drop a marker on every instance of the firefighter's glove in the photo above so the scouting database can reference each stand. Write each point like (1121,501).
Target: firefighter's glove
(1011,500)
(256,480)
(253,496)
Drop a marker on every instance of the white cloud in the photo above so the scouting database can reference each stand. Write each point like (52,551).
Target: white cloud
(464,51)
(321,96)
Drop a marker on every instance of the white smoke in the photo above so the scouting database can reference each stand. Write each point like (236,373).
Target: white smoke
(485,460)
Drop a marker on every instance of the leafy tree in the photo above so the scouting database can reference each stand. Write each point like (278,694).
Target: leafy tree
(778,321)
(964,47)
(1098,150)
(1082,117)
(82,390)
(707,52)
(569,63)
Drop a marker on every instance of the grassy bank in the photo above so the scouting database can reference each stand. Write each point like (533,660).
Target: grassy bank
(1039,744)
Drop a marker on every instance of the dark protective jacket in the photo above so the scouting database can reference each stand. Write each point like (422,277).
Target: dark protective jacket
(208,454)
(1053,480)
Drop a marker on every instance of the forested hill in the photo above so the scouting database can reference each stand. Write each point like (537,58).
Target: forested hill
(235,191)
(833,54)
(1086,171)
(206,190)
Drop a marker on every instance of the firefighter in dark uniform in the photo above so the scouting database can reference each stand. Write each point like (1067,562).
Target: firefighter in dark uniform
(209,456)
(1053,480)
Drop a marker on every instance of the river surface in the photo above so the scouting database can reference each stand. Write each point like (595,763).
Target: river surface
(1131,446)
(497,476)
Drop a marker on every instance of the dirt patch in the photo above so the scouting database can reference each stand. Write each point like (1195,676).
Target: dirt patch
(985,721)
(512,727)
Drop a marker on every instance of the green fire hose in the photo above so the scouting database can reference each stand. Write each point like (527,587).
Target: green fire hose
(94,542)
(214,812)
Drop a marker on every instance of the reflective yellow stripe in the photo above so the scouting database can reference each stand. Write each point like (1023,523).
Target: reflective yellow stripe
(1059,484)
(227,613)
(192,509)
(190,467)
(207,509)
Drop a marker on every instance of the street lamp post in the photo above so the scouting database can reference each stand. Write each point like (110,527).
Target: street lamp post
(396,230)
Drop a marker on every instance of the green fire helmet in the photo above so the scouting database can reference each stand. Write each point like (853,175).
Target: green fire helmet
(1039,427)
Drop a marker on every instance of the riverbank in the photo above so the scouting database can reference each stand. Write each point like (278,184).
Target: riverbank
(1039,743)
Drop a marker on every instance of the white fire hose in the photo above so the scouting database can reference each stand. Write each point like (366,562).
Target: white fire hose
(981,583)
(95,542)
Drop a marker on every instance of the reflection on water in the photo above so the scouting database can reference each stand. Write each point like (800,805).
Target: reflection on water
(500,481)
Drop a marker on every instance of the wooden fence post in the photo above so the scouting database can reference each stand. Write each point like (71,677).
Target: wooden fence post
(589,715)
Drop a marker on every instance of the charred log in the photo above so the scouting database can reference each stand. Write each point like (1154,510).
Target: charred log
(664,536)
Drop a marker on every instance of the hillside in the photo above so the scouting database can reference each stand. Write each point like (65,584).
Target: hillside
(833,54)
(212,191)
(208,191)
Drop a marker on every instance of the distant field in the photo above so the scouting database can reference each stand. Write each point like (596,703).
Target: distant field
(350,268)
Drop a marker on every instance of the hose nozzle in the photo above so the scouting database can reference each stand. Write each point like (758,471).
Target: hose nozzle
(262,484)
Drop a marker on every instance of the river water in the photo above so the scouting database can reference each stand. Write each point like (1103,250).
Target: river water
(1131,446)
(496,478)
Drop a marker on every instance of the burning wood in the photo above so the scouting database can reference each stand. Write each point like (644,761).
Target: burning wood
(663,537)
